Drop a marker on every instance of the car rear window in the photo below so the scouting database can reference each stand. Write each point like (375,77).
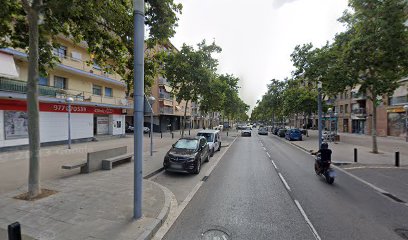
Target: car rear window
(208,136)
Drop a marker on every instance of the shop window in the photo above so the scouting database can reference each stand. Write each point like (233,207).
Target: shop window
(60,82)
(119,124)
(96,90)
(108,92)
(15,124)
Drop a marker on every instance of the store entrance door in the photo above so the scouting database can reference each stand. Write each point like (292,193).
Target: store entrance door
(101,125)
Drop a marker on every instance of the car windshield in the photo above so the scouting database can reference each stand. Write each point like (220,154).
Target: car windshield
(208,136)
(248,128)
(189,144)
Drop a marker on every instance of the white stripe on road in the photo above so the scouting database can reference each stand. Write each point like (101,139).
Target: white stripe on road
(268,154)
(316,235)
(274,165)
(264,148)
(284,182)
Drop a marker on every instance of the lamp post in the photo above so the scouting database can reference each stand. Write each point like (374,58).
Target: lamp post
(336,117)
(319,107)
(330,111)
(406,122)
(138,93)
(69,100)
(151,101)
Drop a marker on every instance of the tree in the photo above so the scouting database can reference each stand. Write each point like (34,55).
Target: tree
(190,72)
(376,51)
(106,26)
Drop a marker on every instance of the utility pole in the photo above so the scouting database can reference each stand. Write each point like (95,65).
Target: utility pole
(138,104)
(319,107)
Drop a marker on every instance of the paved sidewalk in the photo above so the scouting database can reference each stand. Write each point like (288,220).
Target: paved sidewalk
(88,206)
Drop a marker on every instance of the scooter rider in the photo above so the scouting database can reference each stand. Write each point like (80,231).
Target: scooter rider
(324,154)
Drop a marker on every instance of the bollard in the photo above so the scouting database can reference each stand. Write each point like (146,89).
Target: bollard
(227,133)
(149,134)
(397,162)
(355,154)
(172,135)
(14,231)
(189,132)
(161,134)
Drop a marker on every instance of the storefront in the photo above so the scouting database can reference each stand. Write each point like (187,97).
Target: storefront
(54,122)
(396,122)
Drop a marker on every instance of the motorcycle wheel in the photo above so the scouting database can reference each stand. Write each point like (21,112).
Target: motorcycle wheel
(329,179)
(316,168)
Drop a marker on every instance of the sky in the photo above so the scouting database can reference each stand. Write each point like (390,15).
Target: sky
(258,36)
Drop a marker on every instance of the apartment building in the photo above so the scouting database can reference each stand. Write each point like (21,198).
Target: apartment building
(99,100)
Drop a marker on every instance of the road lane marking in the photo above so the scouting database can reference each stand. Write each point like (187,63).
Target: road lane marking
(284,182)
(274,165)
(316,235)
(264,148)
(268,154)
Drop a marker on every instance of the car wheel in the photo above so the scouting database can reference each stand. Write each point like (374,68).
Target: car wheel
(198,167)
(212,153)
(219,148)
(208,158)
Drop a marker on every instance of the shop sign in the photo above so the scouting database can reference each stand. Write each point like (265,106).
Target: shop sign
(18,105)
(396,110)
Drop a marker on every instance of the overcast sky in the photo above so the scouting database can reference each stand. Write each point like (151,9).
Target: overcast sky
(258,36)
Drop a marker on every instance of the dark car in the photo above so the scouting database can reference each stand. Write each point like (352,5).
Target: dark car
(275,131)
(187,155)
(246,132)
(263,131)
(293,134)
(281,132)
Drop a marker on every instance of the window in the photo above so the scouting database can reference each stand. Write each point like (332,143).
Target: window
(346,108)
(60,82)
(108,92)
(97,90)
(43,81)
(346,95)
(60,52)
(341,108)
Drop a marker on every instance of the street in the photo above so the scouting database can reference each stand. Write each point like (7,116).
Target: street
(247,199)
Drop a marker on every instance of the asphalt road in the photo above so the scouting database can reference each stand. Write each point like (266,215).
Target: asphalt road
(243,198)
(348,209)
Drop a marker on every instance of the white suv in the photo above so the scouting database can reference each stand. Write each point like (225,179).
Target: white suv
(213,140)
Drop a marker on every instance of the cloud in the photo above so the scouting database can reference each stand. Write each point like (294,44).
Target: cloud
(279,3)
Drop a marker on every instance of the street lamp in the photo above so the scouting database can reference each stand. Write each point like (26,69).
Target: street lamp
(319,107)
(336,116)
(330,111)
(69,100)
(151,101)
(406,122)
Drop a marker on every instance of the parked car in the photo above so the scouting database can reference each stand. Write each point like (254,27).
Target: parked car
(213,138)
(146,130)
(293,134)
(187,155)
(219,127)
(262,131)
(275,131)
(246,132)
(281,132)
(327,136)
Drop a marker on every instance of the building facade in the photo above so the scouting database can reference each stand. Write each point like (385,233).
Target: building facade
(99,100)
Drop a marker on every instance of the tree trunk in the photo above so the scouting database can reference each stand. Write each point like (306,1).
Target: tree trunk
(184,120)
(374,126)
(34,188)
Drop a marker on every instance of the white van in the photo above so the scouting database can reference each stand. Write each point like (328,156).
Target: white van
(213,139)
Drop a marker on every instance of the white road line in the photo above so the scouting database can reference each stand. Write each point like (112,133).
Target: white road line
(264,148)
(316,235)
(284,182)
(274,165)
(268,154)
(361,180)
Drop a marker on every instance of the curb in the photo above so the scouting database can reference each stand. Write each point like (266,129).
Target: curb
(161,218)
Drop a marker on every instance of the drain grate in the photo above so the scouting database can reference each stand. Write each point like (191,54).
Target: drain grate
(205,178)
(402,232)
(394,197)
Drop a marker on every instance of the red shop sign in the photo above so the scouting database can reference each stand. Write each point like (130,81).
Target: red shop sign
(18,105)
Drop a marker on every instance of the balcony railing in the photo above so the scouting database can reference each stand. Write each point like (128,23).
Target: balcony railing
(400,100)
(166,110)
(163,81)
(359,111)
(166,96)
(358,95)
(16,86)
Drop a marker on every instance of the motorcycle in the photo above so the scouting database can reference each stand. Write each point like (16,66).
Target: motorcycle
(324,169)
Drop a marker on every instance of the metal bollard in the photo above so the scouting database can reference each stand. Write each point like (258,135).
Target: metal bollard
(172,135)
(149,134)
(397,159)
(14,231)
(189,132)
(161,134)
(355,154)
(227,133)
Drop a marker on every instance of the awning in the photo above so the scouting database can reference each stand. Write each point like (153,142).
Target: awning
(356,88)
(168,88)
(7,66)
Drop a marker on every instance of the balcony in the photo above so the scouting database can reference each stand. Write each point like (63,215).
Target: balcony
(400,100)
(358,96)
(163,81)
(166,96)
(16,86)
(361,112)
(166,110)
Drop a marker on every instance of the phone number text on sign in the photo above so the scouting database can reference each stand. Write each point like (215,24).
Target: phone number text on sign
(64,108)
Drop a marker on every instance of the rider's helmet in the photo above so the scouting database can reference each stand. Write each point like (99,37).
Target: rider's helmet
(324,146)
